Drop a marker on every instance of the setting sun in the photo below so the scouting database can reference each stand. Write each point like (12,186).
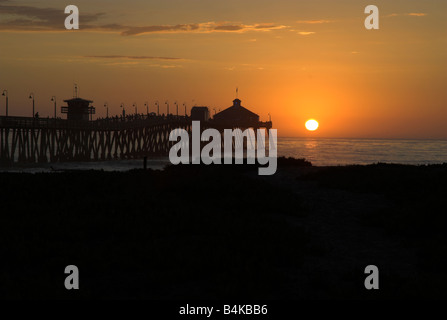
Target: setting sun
(312,125)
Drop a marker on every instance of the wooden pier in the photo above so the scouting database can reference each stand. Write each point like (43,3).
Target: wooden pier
(28,140)
(43,140)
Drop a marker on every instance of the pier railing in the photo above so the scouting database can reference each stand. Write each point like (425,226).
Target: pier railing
(111,123)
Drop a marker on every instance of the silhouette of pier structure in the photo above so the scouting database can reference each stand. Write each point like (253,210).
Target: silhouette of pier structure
(78,138)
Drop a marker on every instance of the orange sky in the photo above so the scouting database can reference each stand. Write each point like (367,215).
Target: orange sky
(293,59)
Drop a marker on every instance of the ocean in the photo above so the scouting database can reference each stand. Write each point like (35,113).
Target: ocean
(334,152)
(319,151)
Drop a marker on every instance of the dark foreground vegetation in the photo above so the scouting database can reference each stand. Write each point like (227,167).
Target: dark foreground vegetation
(223,232)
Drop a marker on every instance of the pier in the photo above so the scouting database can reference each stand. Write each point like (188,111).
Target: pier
(43,140)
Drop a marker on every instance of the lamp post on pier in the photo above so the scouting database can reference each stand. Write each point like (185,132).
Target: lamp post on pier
(176,106)
(124,110)
(158,107)
(185,108)
(53,99)
(106,105)
(167,104)
(136,108)
(31,96)
(5,94)
(147,107)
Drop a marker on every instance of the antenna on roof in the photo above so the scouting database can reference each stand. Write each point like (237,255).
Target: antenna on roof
(237,92)
(75,93)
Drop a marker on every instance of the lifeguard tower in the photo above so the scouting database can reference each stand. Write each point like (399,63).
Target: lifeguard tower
(78,109)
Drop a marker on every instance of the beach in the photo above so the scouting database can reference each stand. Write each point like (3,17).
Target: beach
(223,232)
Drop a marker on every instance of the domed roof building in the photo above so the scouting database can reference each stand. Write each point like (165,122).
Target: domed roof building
(237,115)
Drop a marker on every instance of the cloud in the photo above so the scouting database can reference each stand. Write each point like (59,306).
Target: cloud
(228,28)
(29,18)
(206,27)
(131,57)
(138,65)
(132,31)
(413,14)
(268,26)
(306,33)
(137,61)
(313,21)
